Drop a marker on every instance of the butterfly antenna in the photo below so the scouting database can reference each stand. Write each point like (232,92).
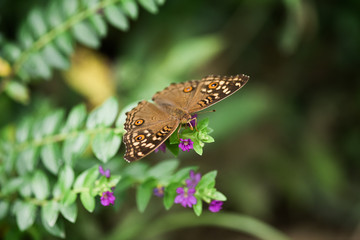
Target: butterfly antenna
(207,111)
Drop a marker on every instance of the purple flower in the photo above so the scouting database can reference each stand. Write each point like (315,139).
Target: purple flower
(107,198)
(159,191)
(162,147)
(215,205)
(104,173)
(193,122)
(186,144)
(185,197)
(193,180)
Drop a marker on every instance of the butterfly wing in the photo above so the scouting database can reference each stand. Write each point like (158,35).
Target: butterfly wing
(193,96)
(178,95)
(147,126)
(212,89)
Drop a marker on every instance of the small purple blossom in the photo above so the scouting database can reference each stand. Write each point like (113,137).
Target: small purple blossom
(162,147)
(215,205)
(193,122)
(107,198)
(193,180)
(159,191)
(185,197)
(186,144)
(104,173)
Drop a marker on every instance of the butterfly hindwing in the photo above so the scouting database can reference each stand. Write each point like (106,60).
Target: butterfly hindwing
(146,127)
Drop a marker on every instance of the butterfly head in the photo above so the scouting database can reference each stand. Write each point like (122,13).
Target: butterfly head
(185,118)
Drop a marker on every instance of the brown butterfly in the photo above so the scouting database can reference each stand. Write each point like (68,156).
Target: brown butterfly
(149,124)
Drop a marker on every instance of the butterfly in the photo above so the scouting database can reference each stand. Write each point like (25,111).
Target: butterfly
(148,125)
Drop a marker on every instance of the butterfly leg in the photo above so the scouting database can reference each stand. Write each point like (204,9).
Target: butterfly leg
(178,131)
(191,126)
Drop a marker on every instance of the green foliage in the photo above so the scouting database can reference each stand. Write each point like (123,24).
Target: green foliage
(41,47)
(49,132)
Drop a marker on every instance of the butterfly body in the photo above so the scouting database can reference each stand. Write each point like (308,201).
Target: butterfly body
(148,125)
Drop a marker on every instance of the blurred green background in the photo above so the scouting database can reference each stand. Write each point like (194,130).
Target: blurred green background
(287,144)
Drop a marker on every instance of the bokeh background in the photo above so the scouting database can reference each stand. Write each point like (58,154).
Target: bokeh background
(287,145)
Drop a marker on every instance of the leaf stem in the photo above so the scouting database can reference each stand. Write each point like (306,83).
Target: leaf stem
(63,136)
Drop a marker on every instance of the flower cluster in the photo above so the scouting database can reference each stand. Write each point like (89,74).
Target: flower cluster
(159,191)
(186,144)
(107,197)
(186,194)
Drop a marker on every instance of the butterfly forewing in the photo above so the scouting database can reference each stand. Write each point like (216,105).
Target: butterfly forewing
(147,126)
(177,94)
(212,89)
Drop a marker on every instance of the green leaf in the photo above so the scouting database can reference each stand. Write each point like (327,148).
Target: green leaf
(79,182)
(52,122)
(104,115)
(218,196)
(57,230)
(25,214)
(88,201)
(54,58)
(170,194)
(87,178)
(65,43)
(207,181)
(53,15)
(25,36)
(174,139)
(50,212)
(69,7)
(18,91)
(37,67)
(143,193)
(4,208)
(27,160)
(40,185)
(197,147)
(116,17)
(90,3)
(203,124)
(85,34)
(69,198)
(51,157)
(130,8)
(173,148)
(37,23)
(66,178)
(69,212)
(149,5)
(160,2)
(105,145)
(11,51)
(12,185)
(74,147)
(76,118)
(99,24)
(163,169)
(207,139)
(198,207)
(91,177)
(25,188)
(23,130)
(114,179)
